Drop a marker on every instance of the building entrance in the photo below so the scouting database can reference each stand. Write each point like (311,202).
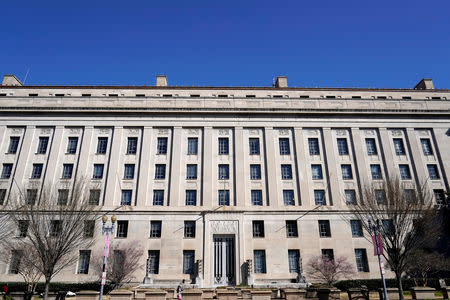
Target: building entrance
(224,260)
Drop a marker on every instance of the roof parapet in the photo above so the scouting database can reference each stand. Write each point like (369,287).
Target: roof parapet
(10,79)
(425,84)
(281,82)
(161,80)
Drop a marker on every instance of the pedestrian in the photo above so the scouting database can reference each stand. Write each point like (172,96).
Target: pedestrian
(180,288)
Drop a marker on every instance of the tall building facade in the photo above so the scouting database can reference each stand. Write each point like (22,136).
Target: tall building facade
(223,185)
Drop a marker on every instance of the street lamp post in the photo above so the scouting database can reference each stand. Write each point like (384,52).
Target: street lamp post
(106,230)
(374,228)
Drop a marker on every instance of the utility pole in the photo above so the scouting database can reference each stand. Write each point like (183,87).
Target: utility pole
(106,230)
(378,247)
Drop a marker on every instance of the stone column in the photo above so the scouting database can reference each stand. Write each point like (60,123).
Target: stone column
(239,165)
(176,196)
(386,151)
(113,192)
(303,180)
(144,195)
(334,175)
(207,164)
(271,168)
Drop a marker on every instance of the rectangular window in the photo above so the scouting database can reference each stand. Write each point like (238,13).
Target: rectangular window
(191,171)
(42,146)
(37,171)
(2,196)
(224,172)
(31,196)
(55,228)
(128,171)
(375,170)
(189,229)
(256,196)
(439,196)
(313,145)
(88,229)
(380,197)
(433,172)
(254,146)
(158,197)
(404,172)
(342,146)
(328,253)
(155,229)
(371,146)
(98,171)
(102,145)
(291,228)
(122,229)
(191,197)
(361,260)
(258,229)
(23,228)
(260,261)
(224,197)
(153,262)
(350,197)
(67,171)
(6,171)
(347,172)
(288,197)
(72,144)
(14,263)
(286,172)
(426,146)
(399,147)
(294,259)
(410,195)
(160,171)
(387,227)
(94,197)
(324,228)
(223,146)
(162,145)
(192,146)
(255,172)
(132,145)
(13,144)
(319,197)
(126,197)
(188,261)
(316,171)
(284,146)
(83,261)
(356,226)
(63,196)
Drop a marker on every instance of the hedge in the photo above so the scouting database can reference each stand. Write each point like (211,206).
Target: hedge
(375,284)
(56,286)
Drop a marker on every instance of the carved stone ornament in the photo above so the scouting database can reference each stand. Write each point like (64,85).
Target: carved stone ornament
(424,132)
(224,131)
(193,131)
(16,130)
(103,130)
(283,132)
(46,130)
(396,132)
(74,130)
(312,131)
(253,131)
(133,130)
(163,131)
(224,227)
(369,132)
(341,132)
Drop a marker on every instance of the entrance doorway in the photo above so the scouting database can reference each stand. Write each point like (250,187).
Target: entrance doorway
(224,260)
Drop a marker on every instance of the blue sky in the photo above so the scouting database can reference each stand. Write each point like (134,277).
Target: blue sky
(315,43)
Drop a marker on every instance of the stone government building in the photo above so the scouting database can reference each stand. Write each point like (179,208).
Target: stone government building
(223,185)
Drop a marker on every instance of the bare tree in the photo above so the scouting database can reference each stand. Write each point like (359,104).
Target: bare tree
(423,264)
(123,260)
(328,270)
(407,216)
(56,223)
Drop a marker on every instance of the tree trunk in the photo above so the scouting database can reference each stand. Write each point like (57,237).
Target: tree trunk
(47,286)
(399,285)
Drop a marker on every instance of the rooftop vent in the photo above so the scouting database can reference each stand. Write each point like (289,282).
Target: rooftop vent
(425,84)
(281,82)
(10,79)
(161,80)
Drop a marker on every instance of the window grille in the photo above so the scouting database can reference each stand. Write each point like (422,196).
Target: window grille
(260,261)
(313,145)
(42,146)
(284,146)
(258,228)
(288,197)
(191,172)
(254,146)
(224,197)
(192,146)
(342,146)
(255,172)
(98,171)
(371,146)
(72,145)
(399,147)
(426,146)
(223,146)
(13,144)
(102,145)
(291,228)
(155,229)
(37,171)
(316,171)
(67,171)
(83,261)
(129,171)
(158,197)
(286,172)
(191,197)
(160,171)
(324,228)
(132,145)
(126,197)
(256,196)
(162,145)
(319,197)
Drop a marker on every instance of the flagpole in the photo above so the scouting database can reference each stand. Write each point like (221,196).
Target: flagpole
(378,251)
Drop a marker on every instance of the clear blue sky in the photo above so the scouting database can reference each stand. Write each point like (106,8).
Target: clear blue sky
(315,43)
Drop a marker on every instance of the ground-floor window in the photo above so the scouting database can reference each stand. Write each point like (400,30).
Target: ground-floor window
(188,261)
(153,262)
(83,261)
(260,261)
(361,260)
(294,256)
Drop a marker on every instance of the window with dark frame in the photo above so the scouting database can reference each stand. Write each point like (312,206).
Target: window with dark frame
(94,197)
(356,227)
(188,261)
(313,145)
(98,171)
(223,146)
(126,197)
(284,146)
(375,170)
(255,172)
(67,171)
(155,229)
(439,196)
(433,172)
(192,146)
(23,228)
(294,260)
(324,228)
(158,197)
(14,263)
(286,172)
(328,253)
(189,229)
(399,147)
(31,196)
(224,197)
(128,171)
(153,262)
(291,228)
(371,146)
(6,171)
(191,171)
(122,229)
(316,171)
(361,260)
(2,196)
(55,228)
(132,145)
(259,261)
(191,197)
(350,197)
(426,147)
(405,173)
(83,261)
(256,197)
(258,229)
(72,144)
(288,197)
(37,171)
(319,197)
(102,145)
(63,196)
(380,197)
(254,146)
(13,144)
(161,145)
(342,146)
(42,145)
(160,171)
(346,172)
(89,228)
(224,171)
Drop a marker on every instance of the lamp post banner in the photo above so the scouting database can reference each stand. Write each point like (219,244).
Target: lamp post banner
(377,243)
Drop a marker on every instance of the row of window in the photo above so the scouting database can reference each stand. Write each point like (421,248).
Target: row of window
(223,146)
